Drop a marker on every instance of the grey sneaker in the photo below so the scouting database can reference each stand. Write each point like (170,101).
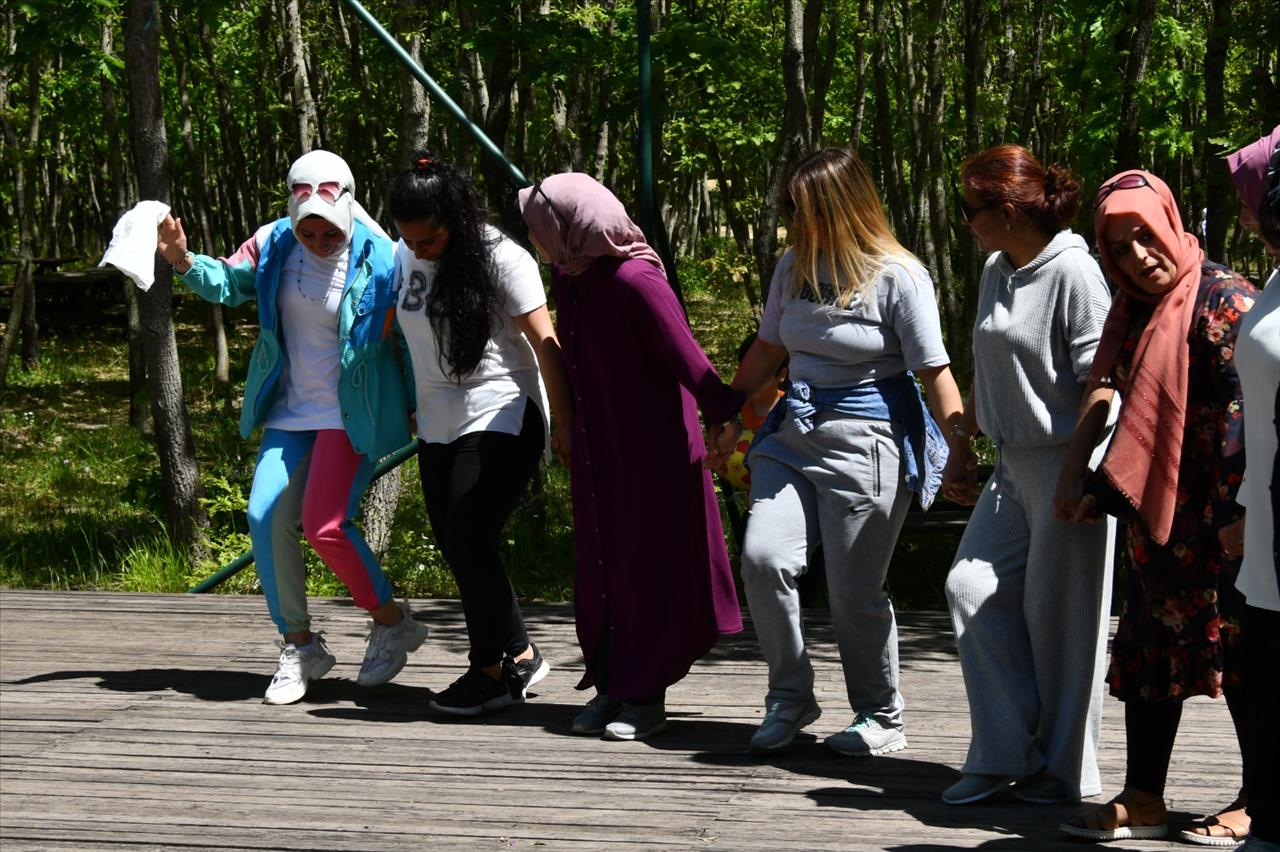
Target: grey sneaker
(298,667)
(1040,788)
(596,716)
(866,737)
(782,722)
(974,787)
(636,721)
(389,648)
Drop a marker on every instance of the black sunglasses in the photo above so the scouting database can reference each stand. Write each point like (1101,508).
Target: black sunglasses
(1126,182)
(967,212)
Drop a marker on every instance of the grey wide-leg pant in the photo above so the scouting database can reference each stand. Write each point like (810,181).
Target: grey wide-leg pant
(842,484)
(1030,595)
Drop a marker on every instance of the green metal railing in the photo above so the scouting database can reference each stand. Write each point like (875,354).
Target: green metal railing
(650,222)
(244,560)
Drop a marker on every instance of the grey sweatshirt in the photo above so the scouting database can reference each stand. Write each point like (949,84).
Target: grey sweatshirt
(1034,337)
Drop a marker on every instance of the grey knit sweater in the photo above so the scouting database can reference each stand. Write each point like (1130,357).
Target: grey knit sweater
(1036,330)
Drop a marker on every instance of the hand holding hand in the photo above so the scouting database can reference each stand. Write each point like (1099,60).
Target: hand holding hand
(1232,539)
(1070,502)
(960,477)
(721,439)
(562,441)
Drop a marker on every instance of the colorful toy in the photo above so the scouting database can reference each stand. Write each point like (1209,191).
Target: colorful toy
(736,471)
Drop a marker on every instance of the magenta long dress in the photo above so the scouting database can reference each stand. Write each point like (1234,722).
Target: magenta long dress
(651,561)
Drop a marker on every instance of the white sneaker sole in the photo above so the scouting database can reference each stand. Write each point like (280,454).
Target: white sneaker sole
(626,735)
(296,694)
(896,745)
(539,675)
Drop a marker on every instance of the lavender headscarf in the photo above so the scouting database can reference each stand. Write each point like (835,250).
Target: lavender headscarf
(576,220)
(1248,168)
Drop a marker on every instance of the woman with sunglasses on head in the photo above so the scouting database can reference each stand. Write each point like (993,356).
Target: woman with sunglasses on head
(840,456)
(326,386)
(1170,474)
(1255,171)
(653,588)
(1023,579)
(474,316)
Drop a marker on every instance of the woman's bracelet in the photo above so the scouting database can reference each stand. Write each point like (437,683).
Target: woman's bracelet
(188,257)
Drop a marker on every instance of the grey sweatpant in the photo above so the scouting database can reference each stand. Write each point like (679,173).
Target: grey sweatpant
(841,484)
(1029,597)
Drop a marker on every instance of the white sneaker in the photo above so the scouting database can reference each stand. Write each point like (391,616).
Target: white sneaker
(297,667)
(389,647)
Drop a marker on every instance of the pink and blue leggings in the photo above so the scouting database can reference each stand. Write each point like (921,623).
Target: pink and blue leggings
(286,498)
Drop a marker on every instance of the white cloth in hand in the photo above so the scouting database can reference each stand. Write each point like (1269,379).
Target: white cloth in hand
(133,242)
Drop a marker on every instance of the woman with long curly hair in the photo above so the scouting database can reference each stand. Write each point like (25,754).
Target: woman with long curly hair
(480,340)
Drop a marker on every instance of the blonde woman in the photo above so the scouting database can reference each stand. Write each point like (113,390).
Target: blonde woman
(837,462)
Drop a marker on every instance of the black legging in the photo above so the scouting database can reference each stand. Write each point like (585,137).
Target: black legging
(1150,727)
(1260,632)
(470,487)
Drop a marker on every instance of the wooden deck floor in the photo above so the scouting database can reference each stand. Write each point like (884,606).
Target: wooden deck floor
(135,721)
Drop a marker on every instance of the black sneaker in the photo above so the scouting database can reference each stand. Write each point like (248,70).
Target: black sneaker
(475,692)
(533,669)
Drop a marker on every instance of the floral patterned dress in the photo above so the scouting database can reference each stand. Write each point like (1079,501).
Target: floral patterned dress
(1179,615)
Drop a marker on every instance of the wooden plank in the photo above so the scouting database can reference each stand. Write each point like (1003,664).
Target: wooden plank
(135,741)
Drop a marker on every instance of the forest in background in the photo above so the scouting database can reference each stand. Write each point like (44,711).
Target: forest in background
(205,103)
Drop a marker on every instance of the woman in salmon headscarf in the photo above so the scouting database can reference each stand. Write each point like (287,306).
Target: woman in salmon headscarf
(1171,475)
(653,589)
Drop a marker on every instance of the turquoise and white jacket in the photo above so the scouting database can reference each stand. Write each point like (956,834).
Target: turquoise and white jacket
(372,391)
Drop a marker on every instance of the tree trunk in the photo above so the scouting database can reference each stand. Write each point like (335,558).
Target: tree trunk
(1217,178)
(793,142)
(415,106)
(179,476)
(1128,142)
(303,103)
(860,61)
(886,150)
(378,512)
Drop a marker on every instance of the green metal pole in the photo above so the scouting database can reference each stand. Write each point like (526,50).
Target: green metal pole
(650,222)
(244,560)
(438,93)
(644,23)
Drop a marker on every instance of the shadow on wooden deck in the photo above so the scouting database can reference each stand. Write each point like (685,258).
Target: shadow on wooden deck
(134,721)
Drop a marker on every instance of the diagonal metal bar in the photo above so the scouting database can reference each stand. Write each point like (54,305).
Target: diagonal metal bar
(441,96)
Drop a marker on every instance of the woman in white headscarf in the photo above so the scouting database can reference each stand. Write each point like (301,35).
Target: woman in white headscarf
(326,386)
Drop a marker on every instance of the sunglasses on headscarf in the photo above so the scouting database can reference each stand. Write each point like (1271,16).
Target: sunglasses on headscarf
(1126,182)
(329,190)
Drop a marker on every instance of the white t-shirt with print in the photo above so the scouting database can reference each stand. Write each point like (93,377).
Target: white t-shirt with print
(492,397)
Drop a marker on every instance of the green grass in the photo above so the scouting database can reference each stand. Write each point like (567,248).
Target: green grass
(82,497)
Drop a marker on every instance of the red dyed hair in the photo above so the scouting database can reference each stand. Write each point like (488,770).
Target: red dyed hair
(1010,174)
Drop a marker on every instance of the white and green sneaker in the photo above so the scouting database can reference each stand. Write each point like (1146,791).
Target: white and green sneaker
(866,737)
